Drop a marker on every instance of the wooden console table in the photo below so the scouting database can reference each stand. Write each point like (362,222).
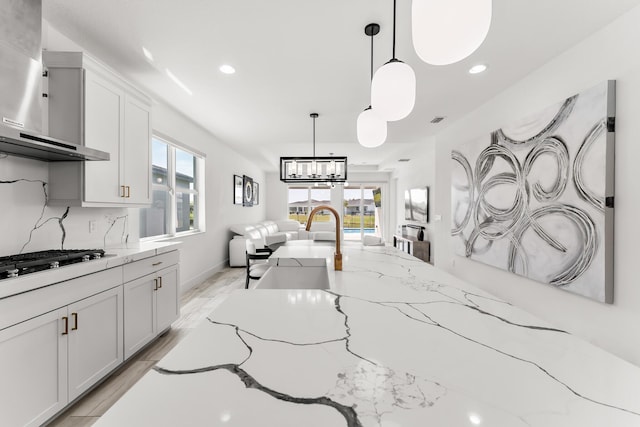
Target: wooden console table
(418,248)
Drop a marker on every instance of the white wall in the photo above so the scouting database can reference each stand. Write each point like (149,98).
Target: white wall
(277,199)
(418,172)
(204,254)
(609,54)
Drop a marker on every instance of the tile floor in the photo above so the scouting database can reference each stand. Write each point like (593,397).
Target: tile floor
(196,304)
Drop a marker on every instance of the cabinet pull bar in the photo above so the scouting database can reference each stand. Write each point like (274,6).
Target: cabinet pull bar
(123,191)
(160,280)
(156,263)
(65,319)
(75,321)
(156,284)
(128,192)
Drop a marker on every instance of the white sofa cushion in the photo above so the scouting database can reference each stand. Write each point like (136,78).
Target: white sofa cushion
(241,229)
(271,226)
(288,225)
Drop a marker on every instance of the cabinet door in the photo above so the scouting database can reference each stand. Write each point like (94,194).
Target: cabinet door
(139,313)
(136,159)
(33,368)
(103,115)
(95,339)
(167,304)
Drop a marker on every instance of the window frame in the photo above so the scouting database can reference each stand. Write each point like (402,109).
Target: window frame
(172,189)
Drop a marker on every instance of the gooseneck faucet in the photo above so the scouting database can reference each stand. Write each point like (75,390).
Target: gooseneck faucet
(337,259)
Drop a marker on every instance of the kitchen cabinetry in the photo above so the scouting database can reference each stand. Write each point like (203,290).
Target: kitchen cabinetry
(91,106)
(33,368)
(48,360)
(151,301)
(59,340)
(95,339)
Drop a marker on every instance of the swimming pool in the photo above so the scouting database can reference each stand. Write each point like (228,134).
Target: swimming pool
(357,230)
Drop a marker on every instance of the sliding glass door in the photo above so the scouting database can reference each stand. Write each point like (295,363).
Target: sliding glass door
(362,211)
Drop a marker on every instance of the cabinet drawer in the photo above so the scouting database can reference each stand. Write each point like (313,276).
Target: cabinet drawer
(25,306)
(149,265)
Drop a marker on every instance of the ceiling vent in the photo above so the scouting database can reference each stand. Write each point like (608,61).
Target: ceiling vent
(403,160)
(437,119)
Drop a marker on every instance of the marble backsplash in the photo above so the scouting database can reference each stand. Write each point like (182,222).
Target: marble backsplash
(28,224)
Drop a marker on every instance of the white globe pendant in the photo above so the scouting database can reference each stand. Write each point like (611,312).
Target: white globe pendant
(448,31)
(393,91)
(371,128)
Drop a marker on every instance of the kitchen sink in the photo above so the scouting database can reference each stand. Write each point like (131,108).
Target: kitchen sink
(281,277)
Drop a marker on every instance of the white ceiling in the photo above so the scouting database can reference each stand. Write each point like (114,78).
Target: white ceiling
(294,57)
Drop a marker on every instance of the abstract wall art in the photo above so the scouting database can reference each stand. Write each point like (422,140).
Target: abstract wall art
(238,190)
(535,198)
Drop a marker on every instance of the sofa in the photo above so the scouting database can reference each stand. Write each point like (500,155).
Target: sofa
(265,233)
(268,233)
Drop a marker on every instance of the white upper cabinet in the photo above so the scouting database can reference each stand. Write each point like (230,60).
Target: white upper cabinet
(91,106)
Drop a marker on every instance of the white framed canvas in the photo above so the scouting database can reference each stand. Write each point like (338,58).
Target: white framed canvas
(536,197)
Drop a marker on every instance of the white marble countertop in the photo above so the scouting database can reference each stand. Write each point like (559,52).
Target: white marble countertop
(395,342)
(114,257)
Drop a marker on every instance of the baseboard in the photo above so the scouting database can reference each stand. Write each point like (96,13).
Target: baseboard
(185,286)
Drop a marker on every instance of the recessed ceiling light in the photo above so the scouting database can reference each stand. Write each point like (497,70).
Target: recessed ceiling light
(148,54)
(178,82)
(227,69)
(477,69)
(475,419)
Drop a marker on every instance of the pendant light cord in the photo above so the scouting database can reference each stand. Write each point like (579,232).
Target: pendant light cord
(314,136)
(394,30)
(372,57)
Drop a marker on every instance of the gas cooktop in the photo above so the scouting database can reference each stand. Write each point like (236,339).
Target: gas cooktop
(18,265)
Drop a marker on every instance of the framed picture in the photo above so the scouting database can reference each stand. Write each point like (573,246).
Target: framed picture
(535,197)
(237,190)
(247,191)
(256,193)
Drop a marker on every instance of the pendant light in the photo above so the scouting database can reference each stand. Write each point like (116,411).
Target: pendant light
(448,31)
(313,169)
(393,89)
(371,128)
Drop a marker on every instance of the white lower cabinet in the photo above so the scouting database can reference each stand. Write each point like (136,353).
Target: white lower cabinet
(33,368)
(151,305)
(95,339)
(48,361)
(58,341)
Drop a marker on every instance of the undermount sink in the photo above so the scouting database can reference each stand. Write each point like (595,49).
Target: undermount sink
(308,277)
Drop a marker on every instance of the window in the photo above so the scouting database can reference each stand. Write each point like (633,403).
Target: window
(360,214)
(178,191)
(303,199)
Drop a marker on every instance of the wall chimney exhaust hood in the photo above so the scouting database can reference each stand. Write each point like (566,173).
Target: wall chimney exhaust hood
(20,86)
(23,144)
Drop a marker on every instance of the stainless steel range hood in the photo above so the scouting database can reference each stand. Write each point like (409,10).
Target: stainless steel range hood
(23,144)
(21,88)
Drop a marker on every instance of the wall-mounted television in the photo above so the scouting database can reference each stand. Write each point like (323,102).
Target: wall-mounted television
(377,197)
(416,205)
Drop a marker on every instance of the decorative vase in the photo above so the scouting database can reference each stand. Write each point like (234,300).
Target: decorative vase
(421,234)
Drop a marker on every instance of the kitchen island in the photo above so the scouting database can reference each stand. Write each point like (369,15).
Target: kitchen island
(393,342)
